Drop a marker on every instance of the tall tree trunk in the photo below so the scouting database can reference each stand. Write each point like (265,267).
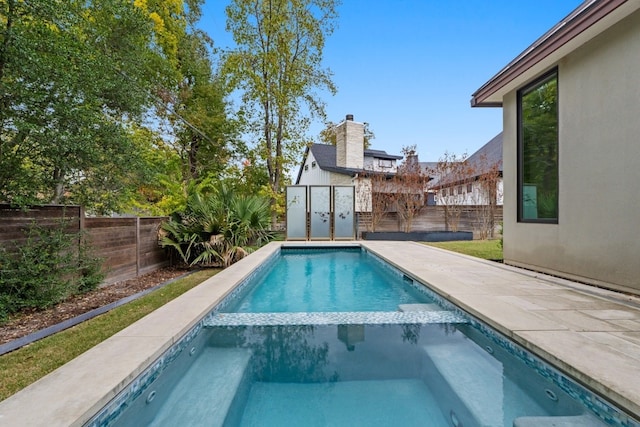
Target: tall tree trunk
(58,190)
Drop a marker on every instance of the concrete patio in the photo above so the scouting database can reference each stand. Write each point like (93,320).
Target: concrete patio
(591,334)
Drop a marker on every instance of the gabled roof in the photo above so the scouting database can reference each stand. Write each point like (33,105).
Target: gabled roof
(479,163)
(325,156)
(428,167)
(488,155)
(587,21)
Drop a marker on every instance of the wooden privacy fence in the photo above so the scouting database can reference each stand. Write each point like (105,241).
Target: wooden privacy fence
(128,246)
(431,218)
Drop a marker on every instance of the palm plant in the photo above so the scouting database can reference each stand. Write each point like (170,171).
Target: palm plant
(219,228)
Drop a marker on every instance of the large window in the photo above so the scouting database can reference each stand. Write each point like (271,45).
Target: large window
(538,150)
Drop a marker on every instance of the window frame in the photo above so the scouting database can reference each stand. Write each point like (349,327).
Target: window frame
(549,75)
(385,163)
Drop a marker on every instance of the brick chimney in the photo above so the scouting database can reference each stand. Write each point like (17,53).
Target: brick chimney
(350,144)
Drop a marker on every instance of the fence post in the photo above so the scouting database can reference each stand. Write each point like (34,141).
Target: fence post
(81,219)
(137,246)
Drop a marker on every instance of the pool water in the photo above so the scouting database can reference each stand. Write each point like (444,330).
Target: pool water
(350,375)
(326,281)
(336,338)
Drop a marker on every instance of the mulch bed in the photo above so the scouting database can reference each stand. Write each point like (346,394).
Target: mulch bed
(31,321)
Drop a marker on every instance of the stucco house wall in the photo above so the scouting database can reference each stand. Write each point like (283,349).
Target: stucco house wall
(597,237)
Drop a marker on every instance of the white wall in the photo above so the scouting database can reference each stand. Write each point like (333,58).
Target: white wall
(597,238)
(475,197)
(313,175)
(373,164)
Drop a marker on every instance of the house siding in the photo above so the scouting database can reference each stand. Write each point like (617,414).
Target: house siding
(311,175)
(597,238)
(478,196)
(372,163)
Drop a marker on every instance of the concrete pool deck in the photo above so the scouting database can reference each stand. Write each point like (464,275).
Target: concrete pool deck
(593,335)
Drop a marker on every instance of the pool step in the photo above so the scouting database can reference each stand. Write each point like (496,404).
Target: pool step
(203,396)
(419,307)
(585,420)
(396,402)
(338,318)
(470,372)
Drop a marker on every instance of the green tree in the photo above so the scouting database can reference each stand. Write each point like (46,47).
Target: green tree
(156,187)
(203,135)
(278,66)
(72,74)
(206,136)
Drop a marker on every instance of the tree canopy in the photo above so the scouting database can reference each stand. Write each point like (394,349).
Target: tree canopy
(117,105)
(72,75)
(278,65)
(102,102)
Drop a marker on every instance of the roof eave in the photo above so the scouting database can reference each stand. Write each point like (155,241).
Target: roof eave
(591,18)
(304,159)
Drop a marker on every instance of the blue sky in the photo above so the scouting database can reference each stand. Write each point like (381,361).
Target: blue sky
(409,67)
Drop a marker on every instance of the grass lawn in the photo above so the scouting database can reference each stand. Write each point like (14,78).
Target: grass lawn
(486,249)
(26,365)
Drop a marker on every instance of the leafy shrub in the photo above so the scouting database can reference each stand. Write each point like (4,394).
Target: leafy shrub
(45,269)
(218,228)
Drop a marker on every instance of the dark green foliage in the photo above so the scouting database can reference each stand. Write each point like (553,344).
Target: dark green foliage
(540,146)
(218,228)
(45,269)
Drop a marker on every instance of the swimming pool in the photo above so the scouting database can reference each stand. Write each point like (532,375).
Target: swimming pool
(325,280)
(436,355)
(368,375)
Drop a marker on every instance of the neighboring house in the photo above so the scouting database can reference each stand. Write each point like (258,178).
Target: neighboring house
(571,153)
(476,181)
(344,163)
